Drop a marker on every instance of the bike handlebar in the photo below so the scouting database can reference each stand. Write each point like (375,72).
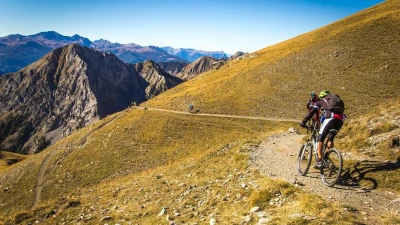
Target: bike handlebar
(307,127)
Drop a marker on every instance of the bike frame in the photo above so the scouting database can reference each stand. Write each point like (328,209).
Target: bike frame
(325,145)
(313,138)
(329,167)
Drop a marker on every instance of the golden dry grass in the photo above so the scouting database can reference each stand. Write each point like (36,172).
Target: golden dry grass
(195,186)
(9,160)
(371,135)
(356,58)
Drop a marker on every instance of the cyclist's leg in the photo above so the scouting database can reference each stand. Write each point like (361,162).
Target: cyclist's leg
(337,125)
(319,149)
(323,133)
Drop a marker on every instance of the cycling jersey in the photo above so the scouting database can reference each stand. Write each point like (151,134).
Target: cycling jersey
(332,120)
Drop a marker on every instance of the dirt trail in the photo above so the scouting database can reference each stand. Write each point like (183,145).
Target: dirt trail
(40,177)
(220,115)
(277,157)
(41,174)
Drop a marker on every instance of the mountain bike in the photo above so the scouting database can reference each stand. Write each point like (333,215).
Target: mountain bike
(332,158)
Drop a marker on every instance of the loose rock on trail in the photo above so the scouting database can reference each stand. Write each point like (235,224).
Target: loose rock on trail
(276,157)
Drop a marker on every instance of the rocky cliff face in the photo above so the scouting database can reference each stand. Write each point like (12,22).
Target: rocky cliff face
(199,66)
(73,86)
(158,80)
(172,68)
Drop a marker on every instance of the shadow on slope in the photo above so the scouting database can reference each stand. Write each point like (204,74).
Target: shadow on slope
(370,175)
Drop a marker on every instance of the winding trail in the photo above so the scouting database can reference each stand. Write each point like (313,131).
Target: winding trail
(276,157)
(221,115)
(42,171)
(40,177)
(41,174)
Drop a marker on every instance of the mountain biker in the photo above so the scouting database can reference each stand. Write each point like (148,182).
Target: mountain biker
(191,108)
(312,100)
(330,120)
(311,104)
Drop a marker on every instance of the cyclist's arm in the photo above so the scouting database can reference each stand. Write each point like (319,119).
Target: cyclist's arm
(313,110)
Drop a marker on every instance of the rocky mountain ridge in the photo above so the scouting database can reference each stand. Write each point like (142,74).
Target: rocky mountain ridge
(159,80)
(199,66)
(133,53)
(73,86)
(172,68)
(193,54)
(19,51)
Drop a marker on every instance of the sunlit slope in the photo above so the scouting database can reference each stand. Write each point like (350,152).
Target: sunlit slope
(357,57)
(8,159)
(125,143)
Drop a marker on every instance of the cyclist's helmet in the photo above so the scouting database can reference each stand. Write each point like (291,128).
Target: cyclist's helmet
(323,93)
(313,95)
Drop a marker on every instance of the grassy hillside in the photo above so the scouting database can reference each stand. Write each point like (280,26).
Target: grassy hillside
(356,57)
(131,165)
(377,136)
(9,159)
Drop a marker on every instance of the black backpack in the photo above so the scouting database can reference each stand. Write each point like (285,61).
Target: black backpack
(335,103)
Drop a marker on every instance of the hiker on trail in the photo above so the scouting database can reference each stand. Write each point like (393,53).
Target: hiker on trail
(332,117)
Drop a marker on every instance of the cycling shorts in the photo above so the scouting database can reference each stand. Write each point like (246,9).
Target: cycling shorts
(327,125)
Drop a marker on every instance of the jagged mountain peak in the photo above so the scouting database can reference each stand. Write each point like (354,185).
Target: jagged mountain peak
(150,63)
(73,86)
(149,68)
(60,57)
(199,66)
(205,59)
(50,35)
(16,53)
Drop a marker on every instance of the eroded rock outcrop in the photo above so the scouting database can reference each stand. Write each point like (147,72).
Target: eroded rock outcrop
(73,86)
(199,66)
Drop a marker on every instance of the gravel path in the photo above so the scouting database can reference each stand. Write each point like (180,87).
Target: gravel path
(277,157)
(220,115)
(40,179)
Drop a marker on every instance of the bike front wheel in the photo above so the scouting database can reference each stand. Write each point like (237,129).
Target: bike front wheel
(332,167)
(304,158)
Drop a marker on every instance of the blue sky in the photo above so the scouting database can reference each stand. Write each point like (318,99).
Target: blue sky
(212,25)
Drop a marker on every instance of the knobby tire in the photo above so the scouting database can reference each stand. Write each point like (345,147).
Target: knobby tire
(304,158)
(333,166)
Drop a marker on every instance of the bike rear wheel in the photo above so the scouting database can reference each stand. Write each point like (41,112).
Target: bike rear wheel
(332,167)
(304,158)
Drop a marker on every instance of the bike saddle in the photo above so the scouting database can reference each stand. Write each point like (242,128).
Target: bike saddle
(334,131)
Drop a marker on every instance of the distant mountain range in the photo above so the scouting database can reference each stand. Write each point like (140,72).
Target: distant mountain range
(193,54)
(18,51)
